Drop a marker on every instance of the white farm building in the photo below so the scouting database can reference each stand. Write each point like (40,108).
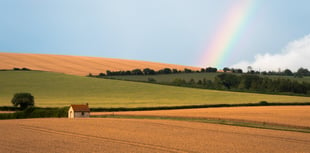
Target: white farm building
(78,111)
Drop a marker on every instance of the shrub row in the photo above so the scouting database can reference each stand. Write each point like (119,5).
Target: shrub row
(148,71)
(262,103)
(35,112)
(248,83)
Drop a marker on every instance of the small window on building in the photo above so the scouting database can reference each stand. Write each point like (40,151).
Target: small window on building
(82,113)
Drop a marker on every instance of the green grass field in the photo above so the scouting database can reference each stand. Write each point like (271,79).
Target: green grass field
(168,78)
(54,89)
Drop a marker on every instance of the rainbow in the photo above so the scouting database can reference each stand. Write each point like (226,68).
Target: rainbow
(228,34)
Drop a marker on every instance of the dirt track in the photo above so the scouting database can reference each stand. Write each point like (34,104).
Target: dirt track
(132,135)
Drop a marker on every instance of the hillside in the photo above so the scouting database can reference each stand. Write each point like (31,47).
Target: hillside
(55,89)
(77,65)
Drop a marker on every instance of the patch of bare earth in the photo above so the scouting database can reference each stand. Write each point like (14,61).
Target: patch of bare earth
(136,135)
(284,115)
(77,65)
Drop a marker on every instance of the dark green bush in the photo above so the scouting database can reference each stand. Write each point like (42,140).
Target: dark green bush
(23,100)
(34,112)
(263,103)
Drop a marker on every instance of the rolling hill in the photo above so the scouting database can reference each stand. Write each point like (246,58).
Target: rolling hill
(77,65)
(55,89)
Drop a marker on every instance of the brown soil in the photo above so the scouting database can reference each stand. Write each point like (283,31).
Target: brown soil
(132,135)
(77,65)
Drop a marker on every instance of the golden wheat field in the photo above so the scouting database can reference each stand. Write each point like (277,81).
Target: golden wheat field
(286,115)
(77,65)
(136,135)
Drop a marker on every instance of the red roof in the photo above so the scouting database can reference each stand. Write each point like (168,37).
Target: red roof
(80,108)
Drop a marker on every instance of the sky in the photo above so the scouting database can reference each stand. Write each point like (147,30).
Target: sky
(264,34)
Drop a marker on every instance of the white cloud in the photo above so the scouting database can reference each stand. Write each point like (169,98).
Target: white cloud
(295,55)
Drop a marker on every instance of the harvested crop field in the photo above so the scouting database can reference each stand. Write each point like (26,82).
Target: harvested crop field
(132,135)
(286,115)
(78,65)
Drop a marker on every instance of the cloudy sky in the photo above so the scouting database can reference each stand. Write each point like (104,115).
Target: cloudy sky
(264,34)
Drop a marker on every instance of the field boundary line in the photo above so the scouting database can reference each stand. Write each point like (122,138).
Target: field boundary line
(263,104)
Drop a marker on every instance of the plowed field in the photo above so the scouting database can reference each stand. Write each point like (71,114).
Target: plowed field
(77,65)
(286,115)
(132,135)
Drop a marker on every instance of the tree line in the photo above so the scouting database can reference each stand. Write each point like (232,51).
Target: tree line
(16,69)
(248,82)
(301,72)
(149,71)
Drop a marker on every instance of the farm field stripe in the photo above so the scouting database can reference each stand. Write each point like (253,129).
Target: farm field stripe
(186,136)
(78,65)
(224,121)
(139,144)
(292,115)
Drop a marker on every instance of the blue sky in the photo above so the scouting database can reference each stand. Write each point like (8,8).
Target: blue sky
(169,31)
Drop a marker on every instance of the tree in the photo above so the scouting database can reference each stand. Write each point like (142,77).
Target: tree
(165,71)
(192,81)
(238,71)
(188,70)
(250,69)
(136,72)
(199,82)
(288,72)
(101,74)
(302,72)
(175,71)
(227,80)
(248,81)
(226,69)
(109,72)
(23,100)
(148,71)
(211,69)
